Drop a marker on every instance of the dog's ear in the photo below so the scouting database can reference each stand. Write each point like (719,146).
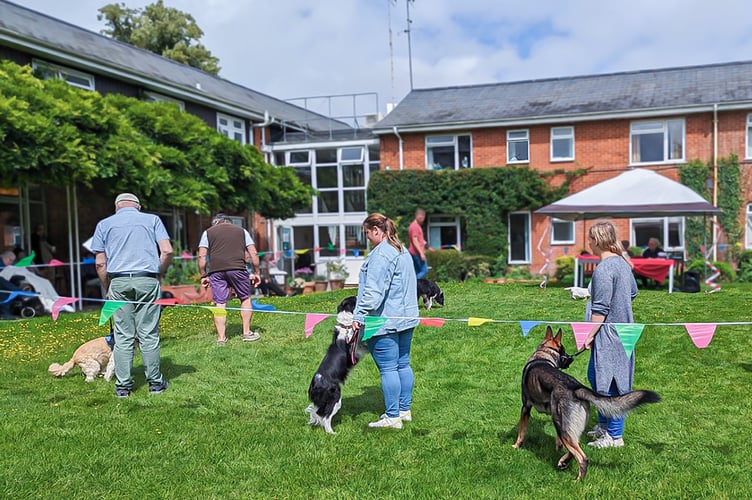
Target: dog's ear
(549,333)
(557,339)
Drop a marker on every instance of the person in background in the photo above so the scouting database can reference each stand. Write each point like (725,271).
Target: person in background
(226,245)
(654,250)
(132,250)
(417,246)
(625,253)
(44,251)
(387,287)
(612,290)
(7,258)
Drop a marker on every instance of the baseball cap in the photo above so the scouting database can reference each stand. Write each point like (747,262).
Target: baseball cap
(127,197)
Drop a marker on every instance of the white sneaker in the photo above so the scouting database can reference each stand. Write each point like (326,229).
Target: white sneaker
(406,416)
(597,431)
(387,422)
(606,441)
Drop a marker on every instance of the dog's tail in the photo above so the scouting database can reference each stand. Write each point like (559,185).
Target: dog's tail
(616,406)
(60,370)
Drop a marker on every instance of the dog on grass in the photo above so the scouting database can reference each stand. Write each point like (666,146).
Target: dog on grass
(325,390)
(551,391)
(93,357)
(430,292)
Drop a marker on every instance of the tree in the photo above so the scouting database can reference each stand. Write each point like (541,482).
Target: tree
(163,30)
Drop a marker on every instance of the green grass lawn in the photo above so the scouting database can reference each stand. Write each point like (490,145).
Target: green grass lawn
(232,424)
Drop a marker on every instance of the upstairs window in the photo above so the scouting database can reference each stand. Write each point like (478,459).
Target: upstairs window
(518,146)
(448,152)
(232,127)
(749,136)
(562,143)
(155,97)
(46,70)
(657,141)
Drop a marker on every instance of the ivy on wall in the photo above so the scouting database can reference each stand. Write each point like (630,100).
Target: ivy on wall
(482,197)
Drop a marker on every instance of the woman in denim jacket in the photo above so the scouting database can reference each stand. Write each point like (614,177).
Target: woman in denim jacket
(388,288)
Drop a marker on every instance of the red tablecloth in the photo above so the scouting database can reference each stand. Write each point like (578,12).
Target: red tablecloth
(655,269)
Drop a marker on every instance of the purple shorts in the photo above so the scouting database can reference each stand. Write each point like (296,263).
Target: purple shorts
(222,281)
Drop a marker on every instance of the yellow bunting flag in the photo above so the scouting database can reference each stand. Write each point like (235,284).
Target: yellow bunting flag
(477,321)
(218,311)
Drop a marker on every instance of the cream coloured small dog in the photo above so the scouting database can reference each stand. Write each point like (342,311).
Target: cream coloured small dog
(93,357)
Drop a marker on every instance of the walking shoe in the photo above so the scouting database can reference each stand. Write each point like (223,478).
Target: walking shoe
(159,388)
(123,393)
(387,422)
(406,416)
(250,337)
(606,441)
(597,431)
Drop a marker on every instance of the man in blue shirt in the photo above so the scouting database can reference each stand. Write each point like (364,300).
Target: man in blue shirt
(129,266)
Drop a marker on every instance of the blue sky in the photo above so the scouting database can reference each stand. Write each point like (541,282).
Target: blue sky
(293,48)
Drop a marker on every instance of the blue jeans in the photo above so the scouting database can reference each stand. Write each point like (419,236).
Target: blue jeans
(391,353)
(614,426)
(421,266)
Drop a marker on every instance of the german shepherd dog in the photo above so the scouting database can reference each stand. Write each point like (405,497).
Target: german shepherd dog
(551,391)
(430,292)
(325,390)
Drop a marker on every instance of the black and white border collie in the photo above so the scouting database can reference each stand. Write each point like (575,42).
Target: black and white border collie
(430,292)
(325,391)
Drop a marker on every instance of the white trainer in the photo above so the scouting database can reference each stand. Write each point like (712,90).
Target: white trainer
(597,431)
(406,416)
(387,422)
(606,441)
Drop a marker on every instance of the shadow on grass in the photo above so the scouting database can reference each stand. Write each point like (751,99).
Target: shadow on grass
(172,371)
(746,366)
(368,401)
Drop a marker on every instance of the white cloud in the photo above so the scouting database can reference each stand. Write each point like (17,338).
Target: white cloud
(295,48)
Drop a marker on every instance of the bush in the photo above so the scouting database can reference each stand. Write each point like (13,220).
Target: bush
(564,267)
(728,274)
(744,267)
(452,265)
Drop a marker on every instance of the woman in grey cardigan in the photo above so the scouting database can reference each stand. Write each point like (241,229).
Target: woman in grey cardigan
(613,288)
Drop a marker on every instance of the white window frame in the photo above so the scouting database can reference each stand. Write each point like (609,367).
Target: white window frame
(341,151)
(562,134)
(150,96)
(432,141)
(435,222)
(748,237)
(665,223)
(528,253)
(645,127)
(62,72)
(518,136)
(303,163)
(749,137)
(230,129)
(570,223)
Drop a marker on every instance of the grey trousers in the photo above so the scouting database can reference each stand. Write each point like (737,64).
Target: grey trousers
(139,317)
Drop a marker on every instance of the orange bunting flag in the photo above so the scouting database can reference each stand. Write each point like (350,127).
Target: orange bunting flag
(59,303)
(108,309)
(701,333)
(581,331)
(629,334)
(432,321)
(218,311)
(312,320)
(477,321)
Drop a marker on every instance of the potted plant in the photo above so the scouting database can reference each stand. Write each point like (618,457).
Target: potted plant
(338,273)
(321,283)
(297,285)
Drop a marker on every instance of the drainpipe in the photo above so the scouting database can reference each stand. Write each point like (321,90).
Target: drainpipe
(268,120)
(715,178)
(401,152)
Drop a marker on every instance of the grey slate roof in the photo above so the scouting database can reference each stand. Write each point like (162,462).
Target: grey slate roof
(557,98)
(19,25)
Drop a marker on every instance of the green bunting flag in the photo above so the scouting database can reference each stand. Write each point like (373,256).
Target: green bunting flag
(26,261)
(629,334)
(373,324)
(108,309)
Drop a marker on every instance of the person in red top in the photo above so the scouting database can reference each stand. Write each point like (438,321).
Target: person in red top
(417,247)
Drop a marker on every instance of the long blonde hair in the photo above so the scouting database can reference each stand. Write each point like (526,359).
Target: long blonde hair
(604,236)
(387,226)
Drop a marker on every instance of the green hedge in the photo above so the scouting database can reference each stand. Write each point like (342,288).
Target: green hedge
(452,265)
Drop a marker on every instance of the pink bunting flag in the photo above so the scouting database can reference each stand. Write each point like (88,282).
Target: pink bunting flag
(701,333)
(312,320)
(55,263)
(186,255)
(168,301)
(59,303)
(432,321)
(581,331)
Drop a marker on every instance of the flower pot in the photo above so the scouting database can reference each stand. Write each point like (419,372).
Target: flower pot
(336,284)
(321,286)
(310,287)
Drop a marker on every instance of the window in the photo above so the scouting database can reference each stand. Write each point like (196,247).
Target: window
(749,136)
(518,145)
(295,158)
(669,230)
(232,127)
(351,155)
(444,231)
(562,232)
(657,141)
(46,70)
(155,97)
(748,237)
(562,143)
(448,152)
(519,237)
